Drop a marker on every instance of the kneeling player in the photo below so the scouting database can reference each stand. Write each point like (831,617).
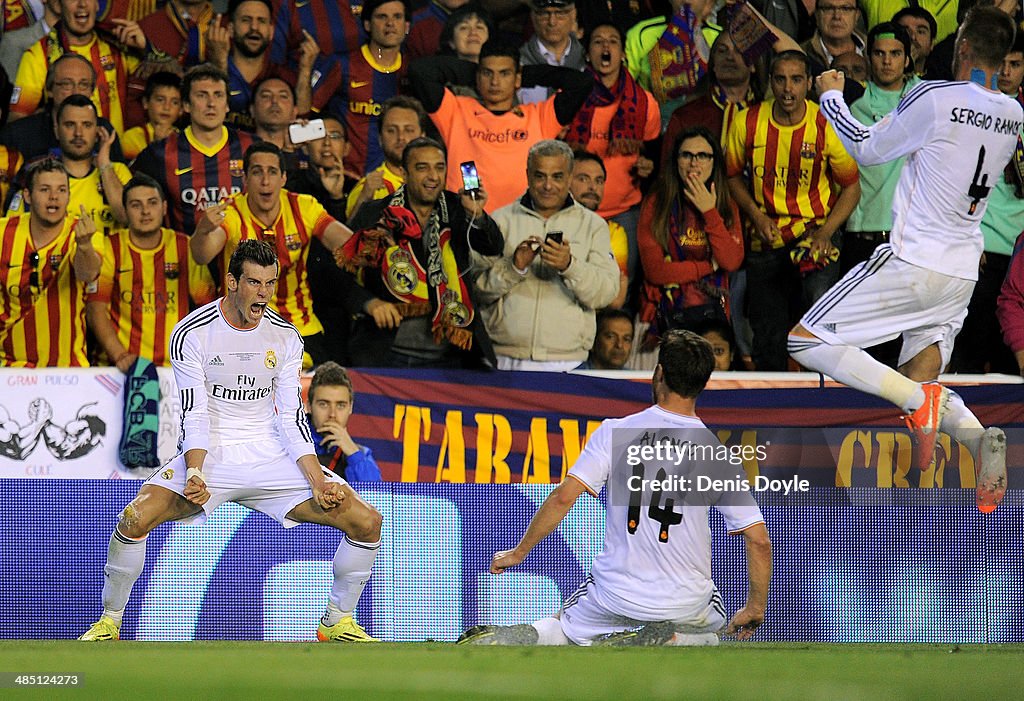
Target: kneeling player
(244,439)
(651,583)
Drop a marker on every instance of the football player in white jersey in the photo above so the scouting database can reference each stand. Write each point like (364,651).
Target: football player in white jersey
(244,439)
(957,136)
(651,583)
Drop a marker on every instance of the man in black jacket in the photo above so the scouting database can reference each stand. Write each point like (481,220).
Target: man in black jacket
(413,250)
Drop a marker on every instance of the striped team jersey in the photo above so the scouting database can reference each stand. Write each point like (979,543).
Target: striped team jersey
(135,140)
(655,562)
(392,181)
(42,305)
(361,86)
(10,165)
(331,24)
(128,9)
(149,291)
(239,385)
(112,70)
(87,192)
(301,218)
(193,176)
(794,170)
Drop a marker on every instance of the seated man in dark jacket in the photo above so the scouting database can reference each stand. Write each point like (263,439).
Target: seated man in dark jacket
(330,407)
(412,251)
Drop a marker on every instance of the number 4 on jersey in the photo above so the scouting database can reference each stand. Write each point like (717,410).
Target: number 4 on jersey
(978,190)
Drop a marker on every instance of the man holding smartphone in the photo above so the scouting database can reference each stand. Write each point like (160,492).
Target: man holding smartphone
(417,305)
(538,298)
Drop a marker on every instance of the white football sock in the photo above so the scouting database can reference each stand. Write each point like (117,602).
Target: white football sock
(961,423)
(352,565)
(855,368)
(549,632)
(125,559)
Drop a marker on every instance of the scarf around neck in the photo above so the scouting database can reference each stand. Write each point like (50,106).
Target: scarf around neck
(437,288)
(626,132)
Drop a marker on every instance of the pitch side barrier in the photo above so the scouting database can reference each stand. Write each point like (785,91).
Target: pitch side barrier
(850,565)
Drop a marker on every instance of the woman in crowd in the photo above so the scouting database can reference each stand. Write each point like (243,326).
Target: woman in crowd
(465,31)
(614,123)
(690,238)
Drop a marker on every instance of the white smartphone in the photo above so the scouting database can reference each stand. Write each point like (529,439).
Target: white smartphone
(310,131)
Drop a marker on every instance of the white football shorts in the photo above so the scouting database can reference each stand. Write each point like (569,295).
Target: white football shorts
(584,619)
(885,297)
(258,475)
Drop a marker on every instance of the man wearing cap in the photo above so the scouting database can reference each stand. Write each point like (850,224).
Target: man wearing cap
(554,43)
(891,77)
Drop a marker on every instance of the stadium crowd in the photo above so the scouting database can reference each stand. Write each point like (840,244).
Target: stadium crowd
(516,184)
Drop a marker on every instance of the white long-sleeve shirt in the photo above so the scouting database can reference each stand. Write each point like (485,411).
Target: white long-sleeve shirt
(957,137)
(239,385)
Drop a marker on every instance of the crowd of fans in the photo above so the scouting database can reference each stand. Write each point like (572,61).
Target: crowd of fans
(518,184)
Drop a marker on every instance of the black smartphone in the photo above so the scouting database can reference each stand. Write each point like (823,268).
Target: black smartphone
(555,236)
(470,177)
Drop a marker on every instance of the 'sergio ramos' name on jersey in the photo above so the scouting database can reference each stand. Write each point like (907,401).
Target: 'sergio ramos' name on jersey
(965,115)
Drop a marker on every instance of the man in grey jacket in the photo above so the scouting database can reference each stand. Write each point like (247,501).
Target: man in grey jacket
(538,299)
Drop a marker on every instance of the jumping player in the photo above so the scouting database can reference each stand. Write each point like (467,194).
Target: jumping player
(957,136)
(244,439)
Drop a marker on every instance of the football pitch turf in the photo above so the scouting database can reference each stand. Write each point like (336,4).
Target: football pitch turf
(218,671)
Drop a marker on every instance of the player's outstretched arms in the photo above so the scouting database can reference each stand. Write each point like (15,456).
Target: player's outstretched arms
(547,518)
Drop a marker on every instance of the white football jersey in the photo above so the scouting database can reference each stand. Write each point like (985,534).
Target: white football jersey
(239,385)
(957,137)
(656,559)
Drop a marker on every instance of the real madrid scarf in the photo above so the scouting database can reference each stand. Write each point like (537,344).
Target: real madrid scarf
(626,131)
(438,287)
(679,59)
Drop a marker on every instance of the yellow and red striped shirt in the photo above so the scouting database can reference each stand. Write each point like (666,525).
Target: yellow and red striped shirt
(149,291)
(796,172)
(42,306)
(112,71)
(301,218)
(87,192)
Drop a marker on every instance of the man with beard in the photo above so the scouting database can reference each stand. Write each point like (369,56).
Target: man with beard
(146,283)
(587,188)
(76,32)
(414,252)
(240,50)
(286,220)
(50,258)
(202,165)
(95,181)
(402,119)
